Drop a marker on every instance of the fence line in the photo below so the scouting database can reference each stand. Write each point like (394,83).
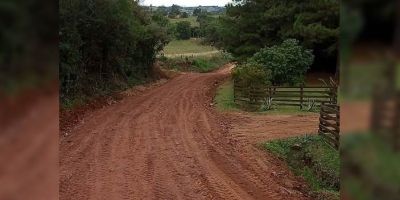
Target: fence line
(385,119)
(256,95)
(329,124)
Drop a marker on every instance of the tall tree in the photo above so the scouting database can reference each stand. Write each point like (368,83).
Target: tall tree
(175,11)
(196,11)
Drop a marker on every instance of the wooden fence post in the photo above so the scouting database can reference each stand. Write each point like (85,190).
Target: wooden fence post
(301,97)
(234,91)
(396,122)
(338,126)
(269,92)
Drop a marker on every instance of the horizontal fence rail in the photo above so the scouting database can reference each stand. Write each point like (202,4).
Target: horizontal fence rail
(329,124)
(286,96)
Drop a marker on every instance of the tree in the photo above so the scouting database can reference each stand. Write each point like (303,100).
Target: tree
(160,19)
(196,11)
(162,10)
(195,31)
(250,25)
(184,15)
(287,62)
(175,11)
(106,44)
(183,30)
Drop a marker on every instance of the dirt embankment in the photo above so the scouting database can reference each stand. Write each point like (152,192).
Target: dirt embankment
(168,143)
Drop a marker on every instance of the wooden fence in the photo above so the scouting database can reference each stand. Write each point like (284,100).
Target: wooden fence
(385,120)
(329,124)
(285,96)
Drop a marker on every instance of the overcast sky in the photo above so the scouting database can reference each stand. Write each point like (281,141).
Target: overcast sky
(186,2)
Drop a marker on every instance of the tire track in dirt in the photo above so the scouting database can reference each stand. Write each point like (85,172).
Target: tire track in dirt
(168,143)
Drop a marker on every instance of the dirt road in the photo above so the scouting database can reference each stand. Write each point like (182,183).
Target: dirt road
(168,143)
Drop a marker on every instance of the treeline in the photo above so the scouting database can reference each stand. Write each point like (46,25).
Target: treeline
(184,30)
(176,11)
(106,45)
(250,25)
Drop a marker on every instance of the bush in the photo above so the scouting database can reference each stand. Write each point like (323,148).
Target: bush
(251,74)
(183,30)
(287,62)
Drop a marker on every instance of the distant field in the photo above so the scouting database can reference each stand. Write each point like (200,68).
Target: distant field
(191,19)
(187,47)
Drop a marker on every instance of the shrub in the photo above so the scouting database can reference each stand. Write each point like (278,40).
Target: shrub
(287,62)
(183,30)
(251,74)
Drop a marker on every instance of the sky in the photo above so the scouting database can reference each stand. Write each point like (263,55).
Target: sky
(185,2)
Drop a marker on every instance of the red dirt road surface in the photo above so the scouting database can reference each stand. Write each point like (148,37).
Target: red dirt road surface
(169,143)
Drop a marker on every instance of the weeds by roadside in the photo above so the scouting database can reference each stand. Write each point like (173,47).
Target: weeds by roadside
(200,64)
(370,168)
(311,158)
(224,97)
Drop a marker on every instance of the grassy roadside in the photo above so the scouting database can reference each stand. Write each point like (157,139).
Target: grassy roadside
(224,97)
(200,64)
(312,159)
(370,167)
(180,55)
(187,46)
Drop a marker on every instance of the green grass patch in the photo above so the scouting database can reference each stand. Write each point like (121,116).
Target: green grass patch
(187,47)
(224,97)
(370,167)
(196,64)
(314,160)
(191,19)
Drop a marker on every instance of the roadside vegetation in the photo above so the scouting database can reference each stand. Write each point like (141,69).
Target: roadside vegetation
(370,167)
(196,63)
(106,46)
(193,45)
(284,64)
(312,159)
(224,97)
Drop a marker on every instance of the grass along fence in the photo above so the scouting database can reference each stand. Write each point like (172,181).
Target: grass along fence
(329,124)
(304,97)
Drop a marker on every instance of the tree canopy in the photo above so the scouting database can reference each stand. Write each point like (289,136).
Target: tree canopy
(175,11)
(106,43)
(250,25)
(183,30)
